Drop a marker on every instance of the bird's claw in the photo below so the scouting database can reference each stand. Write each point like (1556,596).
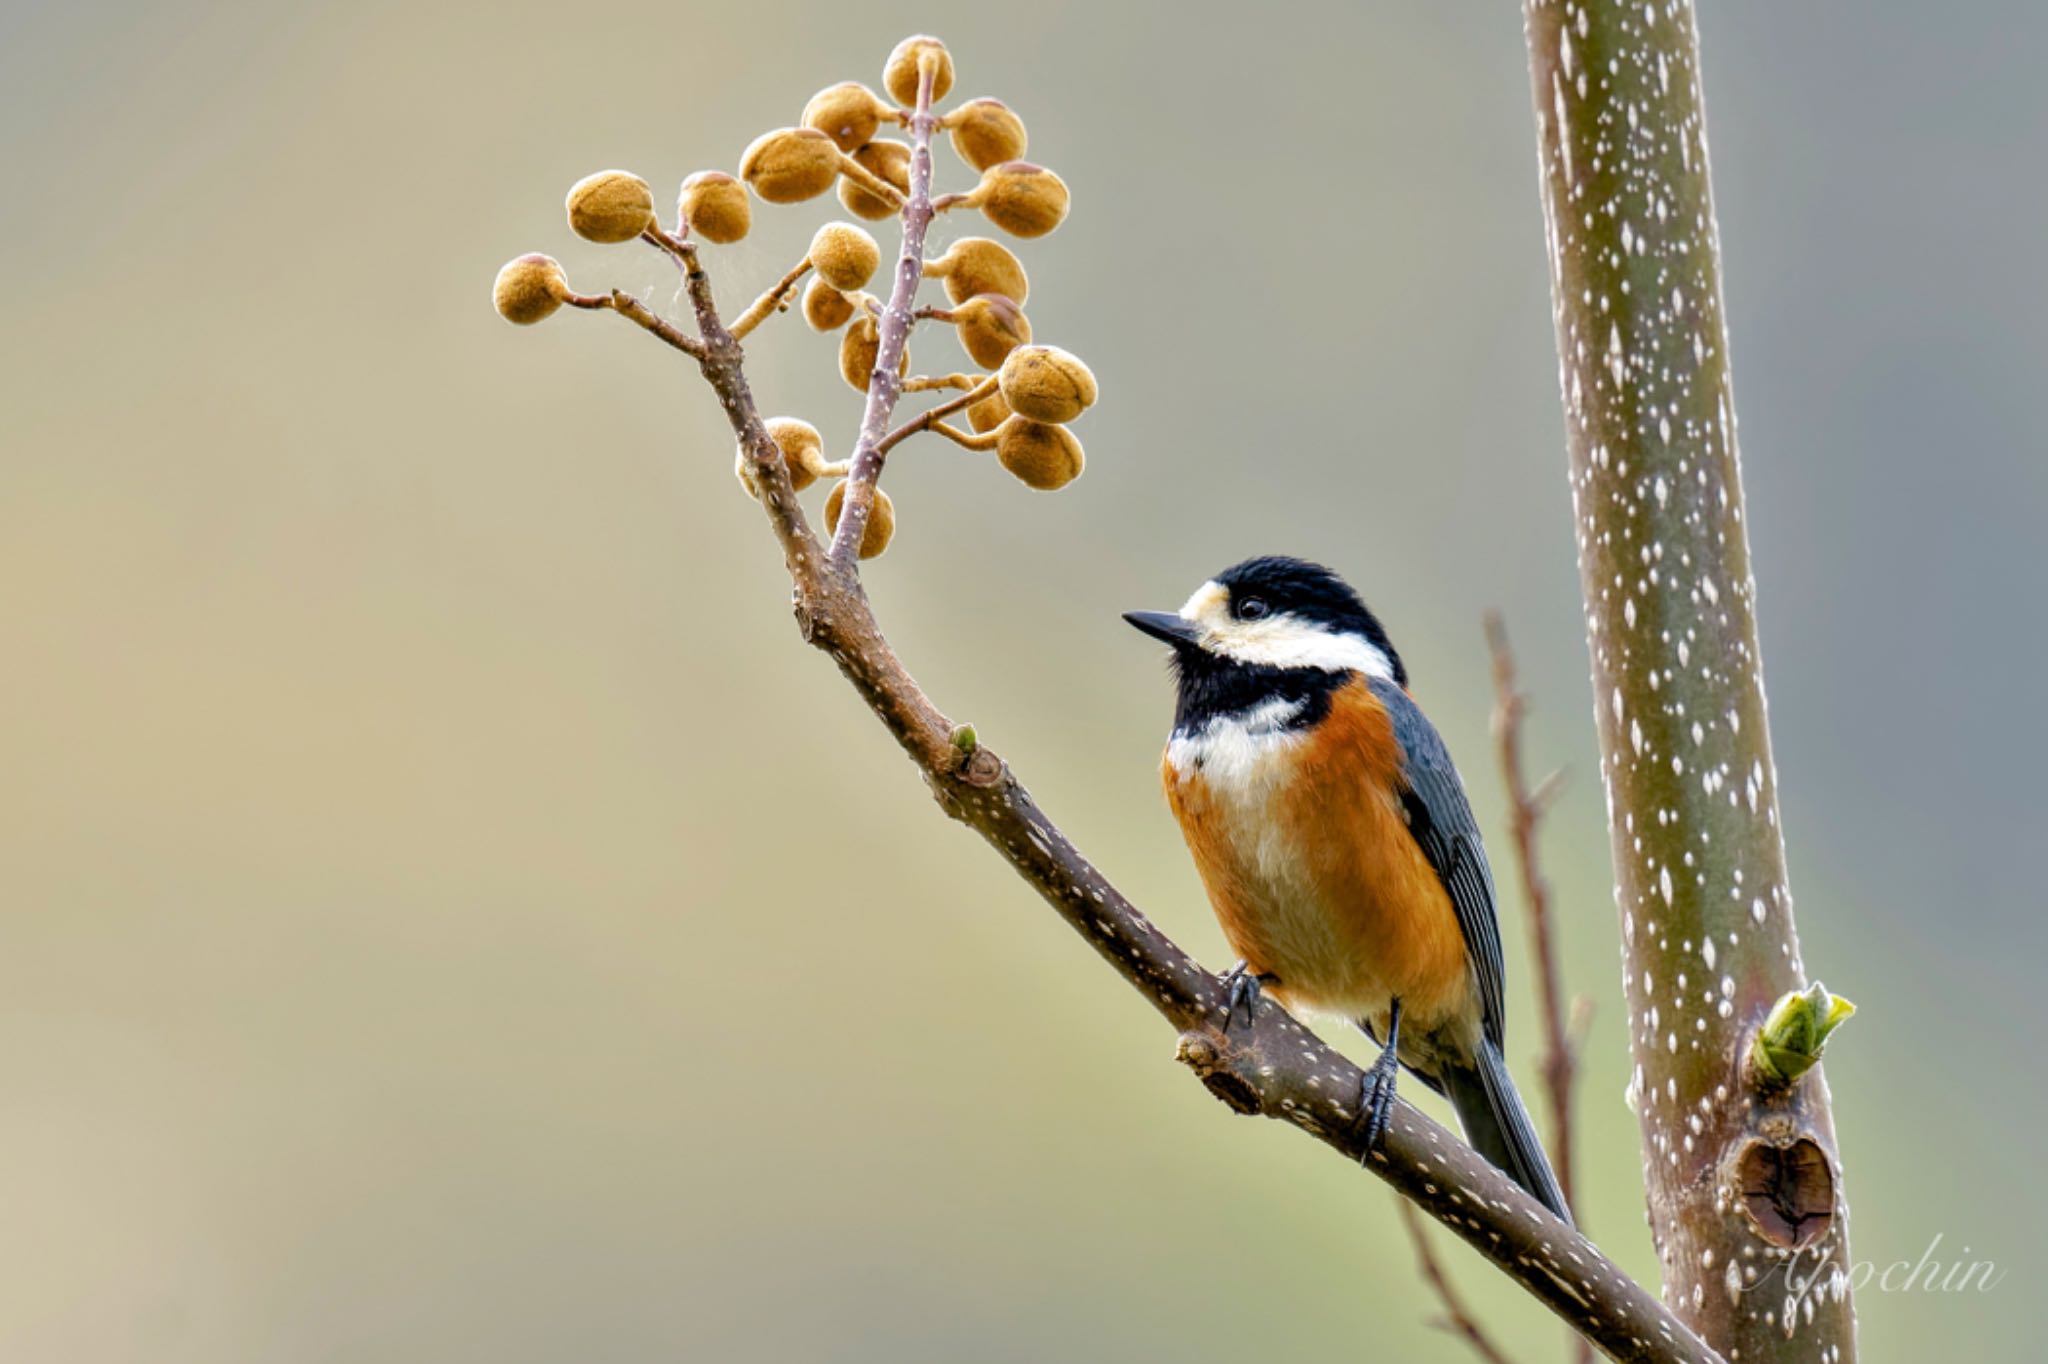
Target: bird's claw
(1376,1101)
(1246,986)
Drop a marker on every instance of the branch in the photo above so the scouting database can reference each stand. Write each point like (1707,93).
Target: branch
(1457,1319)
(1744,1180)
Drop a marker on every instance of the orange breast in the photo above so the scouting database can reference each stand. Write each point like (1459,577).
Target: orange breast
(1314,876)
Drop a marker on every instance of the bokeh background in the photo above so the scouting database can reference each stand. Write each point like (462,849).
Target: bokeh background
(445,913)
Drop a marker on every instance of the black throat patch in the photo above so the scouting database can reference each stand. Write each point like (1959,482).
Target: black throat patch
(1213,687)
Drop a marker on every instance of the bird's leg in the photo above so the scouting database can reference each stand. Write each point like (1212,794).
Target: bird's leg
(1245,985)
(1376,1094)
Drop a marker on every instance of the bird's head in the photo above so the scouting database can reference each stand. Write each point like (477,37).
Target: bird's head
(1275,613)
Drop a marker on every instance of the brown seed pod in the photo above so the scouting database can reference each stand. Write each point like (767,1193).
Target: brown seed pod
(978,265)
(986,415)
(791,165)
(714,207)
(529,289)
(825,308)
(610,206)
(986,132)
(899,76)
(990,326)
(1046,384)
(1020,198)
(881,526)
(844,256)
(1040,454)
(803,454)
(888,160)
(848,113)
(858,349)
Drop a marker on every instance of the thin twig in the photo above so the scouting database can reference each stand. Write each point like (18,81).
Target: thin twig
(926,421)
(771,301)
(1525,813)
(1457,1319)
(625,305)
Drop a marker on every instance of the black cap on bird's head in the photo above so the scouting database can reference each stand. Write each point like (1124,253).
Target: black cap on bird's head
(1276,613)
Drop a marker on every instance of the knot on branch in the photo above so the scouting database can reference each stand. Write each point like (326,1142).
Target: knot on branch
(981,768)
(1787,1192)
(1206,1055)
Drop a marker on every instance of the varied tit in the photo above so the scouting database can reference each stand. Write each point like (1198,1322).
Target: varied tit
(1335,841)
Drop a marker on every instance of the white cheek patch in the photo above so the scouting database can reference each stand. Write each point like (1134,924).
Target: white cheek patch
(1281,641)
(1284,642)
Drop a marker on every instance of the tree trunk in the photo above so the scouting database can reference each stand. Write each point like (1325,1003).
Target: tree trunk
(1739,1160)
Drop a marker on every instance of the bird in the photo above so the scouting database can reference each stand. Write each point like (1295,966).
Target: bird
(1333,835)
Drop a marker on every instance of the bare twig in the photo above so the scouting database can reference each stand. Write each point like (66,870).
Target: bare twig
(1457,1318)
(1525,811)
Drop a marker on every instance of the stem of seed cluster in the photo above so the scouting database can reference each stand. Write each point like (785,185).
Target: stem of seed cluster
(774,300)
(885,385)
(929,421)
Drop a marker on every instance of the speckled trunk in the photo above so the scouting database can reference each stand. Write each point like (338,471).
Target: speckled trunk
(1744,1182)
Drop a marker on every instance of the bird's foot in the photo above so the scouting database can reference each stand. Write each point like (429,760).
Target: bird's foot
(1245,986)
(1376,1100)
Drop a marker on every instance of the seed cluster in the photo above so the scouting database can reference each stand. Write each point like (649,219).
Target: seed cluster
(1019,403)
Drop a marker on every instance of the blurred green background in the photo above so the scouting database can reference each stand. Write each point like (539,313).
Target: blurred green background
(449,916)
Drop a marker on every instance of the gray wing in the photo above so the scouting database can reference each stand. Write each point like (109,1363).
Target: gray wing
(1441,820)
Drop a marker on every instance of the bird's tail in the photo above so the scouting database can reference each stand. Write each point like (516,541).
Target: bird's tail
(1498,1126)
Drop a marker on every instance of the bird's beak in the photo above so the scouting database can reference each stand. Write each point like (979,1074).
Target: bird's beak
(1165,625)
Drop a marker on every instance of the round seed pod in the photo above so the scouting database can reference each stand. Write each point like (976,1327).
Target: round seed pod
(803,454)
(881,526)
(899,76)
(986,415)
(1022,199)
(1046,384)
(714,207)
(888,160)
(825,308)
(844,256)
(979,265)
(610,206)
(1040,454)
(986,132)
(848,113)
(858,349)
(529,289)
(990,326)
(791,165)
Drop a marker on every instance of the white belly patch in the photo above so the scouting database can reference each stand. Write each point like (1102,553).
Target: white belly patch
(1243,761)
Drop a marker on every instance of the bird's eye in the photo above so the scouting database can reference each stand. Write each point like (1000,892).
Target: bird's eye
(1252,608)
